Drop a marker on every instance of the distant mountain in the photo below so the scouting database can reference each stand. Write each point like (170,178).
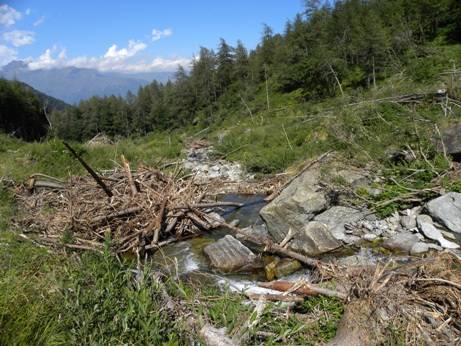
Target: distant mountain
(50,102)
(73,84)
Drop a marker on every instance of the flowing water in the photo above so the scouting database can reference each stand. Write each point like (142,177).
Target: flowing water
(187,258)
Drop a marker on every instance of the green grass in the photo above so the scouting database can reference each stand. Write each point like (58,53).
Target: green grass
(18,159)
(49,298)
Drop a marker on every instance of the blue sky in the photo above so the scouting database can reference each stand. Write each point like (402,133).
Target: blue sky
(131,36)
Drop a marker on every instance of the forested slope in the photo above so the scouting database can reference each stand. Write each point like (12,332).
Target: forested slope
(326,51)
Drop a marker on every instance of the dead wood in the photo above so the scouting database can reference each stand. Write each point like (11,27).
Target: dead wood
(302,288)
(209,205)
(275,297)
(126,165)
(159,222)
(135,222)
(90,170)
(121,213)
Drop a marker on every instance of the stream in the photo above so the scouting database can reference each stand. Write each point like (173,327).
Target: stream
(187,259)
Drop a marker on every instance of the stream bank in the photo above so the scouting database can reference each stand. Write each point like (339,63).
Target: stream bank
(189,231)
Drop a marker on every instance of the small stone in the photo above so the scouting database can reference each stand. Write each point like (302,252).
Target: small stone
(370,237)
(279,268)
(408,221)
(215,220)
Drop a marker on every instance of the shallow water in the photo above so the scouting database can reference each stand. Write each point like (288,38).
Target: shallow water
(187,258)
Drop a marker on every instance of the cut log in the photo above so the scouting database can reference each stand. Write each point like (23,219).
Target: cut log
(305,289)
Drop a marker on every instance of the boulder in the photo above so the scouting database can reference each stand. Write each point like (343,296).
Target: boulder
(229,255)
(447,210)
(314,239)
(296,205)
(452,141)
(337,217)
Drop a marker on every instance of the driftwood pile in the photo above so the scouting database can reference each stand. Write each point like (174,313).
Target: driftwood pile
(139,211)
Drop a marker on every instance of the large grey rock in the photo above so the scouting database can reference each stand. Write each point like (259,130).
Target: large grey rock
(314,239)
(451,141)
(403,241)
(296,205)
(336,217)
(447,209)
(229,255)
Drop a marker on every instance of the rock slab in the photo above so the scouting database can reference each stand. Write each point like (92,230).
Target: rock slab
(337,217)
(447,210)
(229,255)
(314,239)
(296,205)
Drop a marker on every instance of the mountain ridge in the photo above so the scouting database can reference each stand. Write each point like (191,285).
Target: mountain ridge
(74,84)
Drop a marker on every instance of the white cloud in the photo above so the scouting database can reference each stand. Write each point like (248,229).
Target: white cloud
(7,54)
(8,15)
(19,38)
(39,21)
(158,34)
(119,54)
(28,11)
(115,59)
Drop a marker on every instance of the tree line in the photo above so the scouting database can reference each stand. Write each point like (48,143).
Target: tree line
(324,51)
(22,114)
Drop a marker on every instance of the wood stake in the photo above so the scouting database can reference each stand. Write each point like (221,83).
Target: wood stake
(90,170)
(126,166)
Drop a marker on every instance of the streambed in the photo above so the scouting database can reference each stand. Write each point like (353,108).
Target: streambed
(186,259)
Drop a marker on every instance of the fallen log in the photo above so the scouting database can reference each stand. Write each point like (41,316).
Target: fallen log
(304,289)
(275,297)
(90,170)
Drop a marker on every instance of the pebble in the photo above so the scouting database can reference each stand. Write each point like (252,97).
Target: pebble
(370,237)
